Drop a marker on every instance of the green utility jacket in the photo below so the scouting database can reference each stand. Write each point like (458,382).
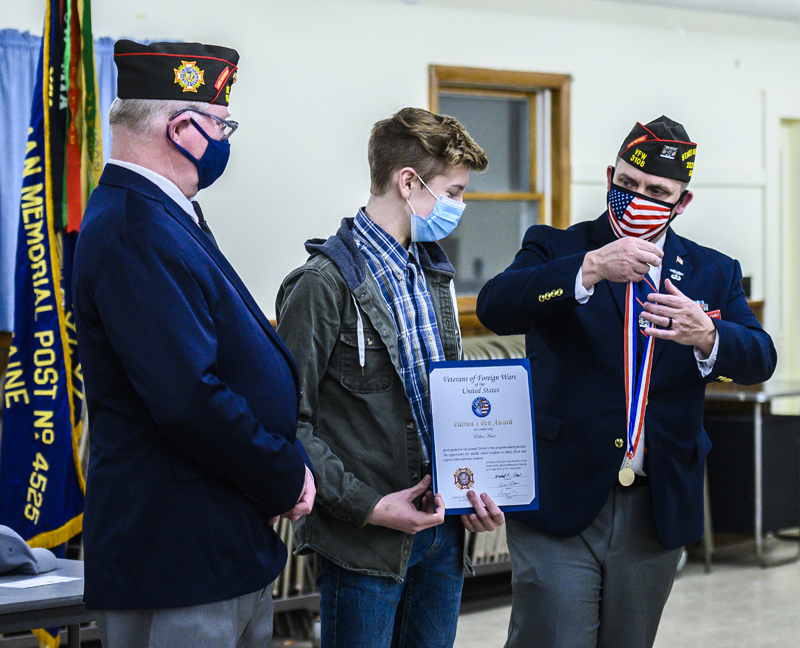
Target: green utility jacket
(356,425)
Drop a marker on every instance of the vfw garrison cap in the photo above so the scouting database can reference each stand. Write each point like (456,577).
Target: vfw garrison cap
(661,148)
(169,71)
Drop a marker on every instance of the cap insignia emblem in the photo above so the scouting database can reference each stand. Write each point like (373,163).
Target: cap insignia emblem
(189,76)
(669,152)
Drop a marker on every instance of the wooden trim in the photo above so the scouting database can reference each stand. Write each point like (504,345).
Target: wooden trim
(532,130)
(560,156)
(433,89)
(468,320)
(520,195)
(443,78)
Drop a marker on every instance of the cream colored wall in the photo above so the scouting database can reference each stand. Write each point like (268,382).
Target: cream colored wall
(316,74)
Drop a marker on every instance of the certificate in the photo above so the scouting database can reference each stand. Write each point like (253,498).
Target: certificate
(483,436)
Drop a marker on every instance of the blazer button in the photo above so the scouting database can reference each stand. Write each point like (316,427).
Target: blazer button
(619,443)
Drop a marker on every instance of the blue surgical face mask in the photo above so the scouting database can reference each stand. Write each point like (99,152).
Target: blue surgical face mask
(212,165)
(441,221)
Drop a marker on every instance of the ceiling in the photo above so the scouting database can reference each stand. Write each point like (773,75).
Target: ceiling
(788,10)
(777,9)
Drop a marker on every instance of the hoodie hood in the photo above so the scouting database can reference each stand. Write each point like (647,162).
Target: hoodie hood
(342,250)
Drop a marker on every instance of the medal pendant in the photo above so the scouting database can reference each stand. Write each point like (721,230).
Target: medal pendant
(626,476)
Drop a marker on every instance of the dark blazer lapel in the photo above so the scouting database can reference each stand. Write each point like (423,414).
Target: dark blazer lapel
(227,269)
(120,176)
(678,272)
(601,235)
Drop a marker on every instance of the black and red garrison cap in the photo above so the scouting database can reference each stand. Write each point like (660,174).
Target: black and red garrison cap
(661,148)
(170,71)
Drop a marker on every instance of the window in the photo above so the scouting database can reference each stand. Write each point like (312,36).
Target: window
(521,119)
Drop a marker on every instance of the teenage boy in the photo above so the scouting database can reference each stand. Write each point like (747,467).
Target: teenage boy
(363,318)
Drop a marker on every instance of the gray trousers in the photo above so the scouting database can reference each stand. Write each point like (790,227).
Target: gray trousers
(241,622)
(605,588)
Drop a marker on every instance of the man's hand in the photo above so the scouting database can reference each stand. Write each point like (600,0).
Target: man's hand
(681,320)
(306,501)
(487,515)
(626,259)
(397,510)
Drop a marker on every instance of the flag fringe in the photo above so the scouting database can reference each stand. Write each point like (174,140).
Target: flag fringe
(47,639)
(58,536)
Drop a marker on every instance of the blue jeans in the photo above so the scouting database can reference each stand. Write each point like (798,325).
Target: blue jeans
(362,611)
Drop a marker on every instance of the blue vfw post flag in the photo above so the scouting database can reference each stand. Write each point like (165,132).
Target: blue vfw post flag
(41,482)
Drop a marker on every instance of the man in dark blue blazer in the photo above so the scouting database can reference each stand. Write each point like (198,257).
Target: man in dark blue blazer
(625,322)
(192,396)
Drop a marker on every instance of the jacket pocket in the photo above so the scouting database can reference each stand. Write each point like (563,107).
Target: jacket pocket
(377,374)
(546,426)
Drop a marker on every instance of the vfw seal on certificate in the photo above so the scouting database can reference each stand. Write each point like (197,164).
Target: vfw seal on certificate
(464,478)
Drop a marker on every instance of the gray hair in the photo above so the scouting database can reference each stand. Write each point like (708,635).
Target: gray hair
(146,115)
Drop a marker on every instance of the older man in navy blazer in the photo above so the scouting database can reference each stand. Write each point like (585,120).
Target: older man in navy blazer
(192,396)
(625,322)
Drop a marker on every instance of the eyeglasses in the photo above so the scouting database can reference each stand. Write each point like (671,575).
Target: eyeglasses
(227,127)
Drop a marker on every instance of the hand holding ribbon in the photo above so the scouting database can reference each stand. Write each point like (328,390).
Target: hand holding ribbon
(689,324)
(626,259)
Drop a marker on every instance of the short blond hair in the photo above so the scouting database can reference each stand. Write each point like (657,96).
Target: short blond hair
(428,143)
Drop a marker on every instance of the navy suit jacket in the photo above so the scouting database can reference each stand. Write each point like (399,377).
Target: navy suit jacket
(192,409)
(576,356)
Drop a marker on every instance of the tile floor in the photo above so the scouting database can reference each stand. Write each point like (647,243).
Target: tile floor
(737,605)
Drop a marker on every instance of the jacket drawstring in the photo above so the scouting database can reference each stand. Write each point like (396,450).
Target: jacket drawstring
(459,347)
(360,335)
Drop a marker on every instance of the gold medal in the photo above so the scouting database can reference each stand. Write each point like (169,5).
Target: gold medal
(626,476)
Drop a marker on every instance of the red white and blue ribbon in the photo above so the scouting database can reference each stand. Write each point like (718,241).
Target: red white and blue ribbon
(637,383)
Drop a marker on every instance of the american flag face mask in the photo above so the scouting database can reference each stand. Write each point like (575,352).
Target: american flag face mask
(633,214)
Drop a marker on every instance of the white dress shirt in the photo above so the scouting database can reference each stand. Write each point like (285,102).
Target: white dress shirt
(167,186)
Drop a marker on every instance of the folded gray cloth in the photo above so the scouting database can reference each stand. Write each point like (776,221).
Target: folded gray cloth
(17,556)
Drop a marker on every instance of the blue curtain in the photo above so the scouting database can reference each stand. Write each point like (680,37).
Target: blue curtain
(107,84)
(19,55)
